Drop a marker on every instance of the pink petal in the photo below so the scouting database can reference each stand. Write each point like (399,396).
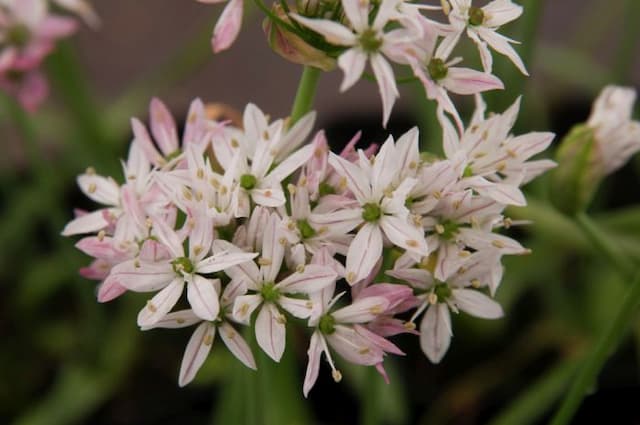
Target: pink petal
(362,310)
(270,331)
(435,332)
(158,306)
(202,297)
(228,26)
(364,252)
(163,127)
(313,365)
(244,306)
(237,345)
(469,81)
(196,352)
(352,63)
(312,279)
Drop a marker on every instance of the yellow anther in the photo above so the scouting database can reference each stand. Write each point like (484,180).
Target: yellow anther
(485,135)
(231,334)
(92,188)
(479,155)
(300,268)
(152,308)
(280,318)
(437,194)
(507,222)
(501,166)
(291,188)
(264,261)
(265,135)
(90,171)
(282,241)
(409,326)
(439,229)
(342,184)
(267,193)
(336,375)
(322,230)
(199,196)
(511,153)
(197,249)
(208,340)
(234,143)
(148,222)
(364,350)
(309,304)
(186,194)
(351,277)
(200,173)
(214,182)
(464,253)
(136,264)
(376,309)
(244,309)
(475,283)
(224,190)
(498,243)
(412,243)
(413,165)
(446,8)
(101,235)
(180,320)
(432,298)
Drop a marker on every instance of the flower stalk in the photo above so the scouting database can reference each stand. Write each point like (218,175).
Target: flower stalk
(306,93)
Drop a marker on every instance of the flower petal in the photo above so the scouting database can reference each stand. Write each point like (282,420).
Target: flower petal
(364,252)
(202,297)
(196,353)
(237,345)
(270,331)
(313,278)
(476,304)
(435,332)
(244,306)
(313,365)
(158,306)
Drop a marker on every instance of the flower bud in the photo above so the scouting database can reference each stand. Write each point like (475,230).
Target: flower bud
(292,47)
(593,150)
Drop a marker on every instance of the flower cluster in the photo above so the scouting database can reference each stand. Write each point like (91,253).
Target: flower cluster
(28,34)
(267,231)
(357,32)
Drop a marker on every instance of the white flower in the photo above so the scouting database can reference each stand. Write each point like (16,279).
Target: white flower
(482,24)
(617,136)
(272,294)
(367,42)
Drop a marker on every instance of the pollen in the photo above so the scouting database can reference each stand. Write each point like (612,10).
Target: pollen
(464,253)
(432,298)
(479,155)
(214,182)
(413,165)
(265,135)
(300,268)
(244,309)
(497,243)
(376,309)
(282,241)
(507,222)
(309,305)
(180,320)
(234,143)
(336,375)
(208,340)
(92,188)
(280,318)
(267,193)
(136,264)
(291,188)
(437,194)
(101,235)
(501,166)
(364,350)
(186,193)
(512,153)
(409,326)
(152,308)
(323,229)
(264,261)
(412,243)
(475,283)
(439,229)
(342,184)
(351,277)
(198,249)
(231,334)
(90,171)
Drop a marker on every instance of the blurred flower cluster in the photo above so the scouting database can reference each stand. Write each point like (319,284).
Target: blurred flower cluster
(29,32)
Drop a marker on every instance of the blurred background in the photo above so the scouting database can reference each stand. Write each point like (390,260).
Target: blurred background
(65,359)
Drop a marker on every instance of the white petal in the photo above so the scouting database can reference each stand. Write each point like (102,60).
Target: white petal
(237,345)
(270,331)
(87,223)
(469,81)
(100,189)
(364,252)
(312,279)
(361,311)
(313,366)
(357,12)
(476,304)
(140,276)
(501,44)
(386,84)
(223,260)
(268,197)
(357,181)
(404,234)
(196,352)
(203,297)
(272,249)
(333,32)
(291,164)
(175,320)
(158,306)
(244,306)
(352,63)
(168,237)
(300,308)
(435,332)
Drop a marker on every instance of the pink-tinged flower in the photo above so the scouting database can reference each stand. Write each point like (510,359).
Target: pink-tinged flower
(315,231)
(163,128)
(481,24)
(228,26)
(342,330)
(28,33)
(458,291)
(439,76)
(461,223)
(249,156)
(170,275)
(367,43)
(127,206)
(201,340)
(381,210)
(272,294)
(617,137)
(30,88)
(495,163)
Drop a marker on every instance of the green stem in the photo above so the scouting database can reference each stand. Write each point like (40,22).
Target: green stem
(305,94)
(603,245)
(625,55)
(607,341)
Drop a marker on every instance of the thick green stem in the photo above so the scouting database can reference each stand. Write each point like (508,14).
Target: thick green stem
(604,246)
(606,343)
(305,94)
